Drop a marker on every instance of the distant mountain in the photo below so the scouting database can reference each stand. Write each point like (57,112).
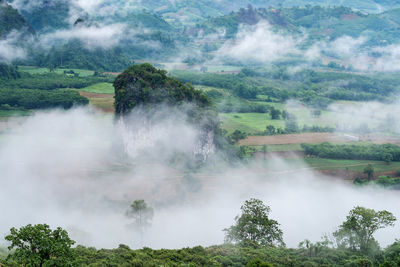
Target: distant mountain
(44,15)
(47,16)
(11,19)
(192,11)
(165,29)
(369,6)
(53,15)
(320,23)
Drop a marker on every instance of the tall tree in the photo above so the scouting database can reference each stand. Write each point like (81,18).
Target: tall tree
(356,233)
(254,226)
(142,214)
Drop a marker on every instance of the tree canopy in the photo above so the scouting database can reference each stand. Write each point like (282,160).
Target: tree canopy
(141,213)
(254,226)
(38,245)
(357,231)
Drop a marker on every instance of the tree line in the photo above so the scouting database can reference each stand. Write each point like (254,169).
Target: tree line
(51,81)
(385,152)
(254,239)
(40,99)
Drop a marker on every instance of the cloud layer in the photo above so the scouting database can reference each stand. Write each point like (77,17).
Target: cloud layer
(9,49)
(104,36)
(66,168)
(258,43)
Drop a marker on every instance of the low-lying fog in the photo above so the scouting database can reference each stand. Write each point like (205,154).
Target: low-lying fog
(68,169)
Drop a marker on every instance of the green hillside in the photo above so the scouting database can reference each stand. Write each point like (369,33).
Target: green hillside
(52,16)
(11,20)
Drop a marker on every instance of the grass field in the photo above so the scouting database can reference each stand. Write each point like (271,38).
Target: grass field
(39,70)
(253,123)
(257,122)
(99,88)
(100,95)
(248,122)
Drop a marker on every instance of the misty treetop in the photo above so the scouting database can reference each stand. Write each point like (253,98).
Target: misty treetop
(356,233)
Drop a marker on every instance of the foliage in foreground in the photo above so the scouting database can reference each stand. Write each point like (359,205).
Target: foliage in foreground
(254,233)
(38,245)
(231,255)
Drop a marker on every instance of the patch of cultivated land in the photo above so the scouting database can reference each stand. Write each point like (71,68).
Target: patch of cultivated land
(99,88)
(297,139)
(104,102)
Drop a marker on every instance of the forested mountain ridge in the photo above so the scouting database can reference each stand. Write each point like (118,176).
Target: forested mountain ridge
(159,33)
(320,22)
(10,20)
(180,13)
